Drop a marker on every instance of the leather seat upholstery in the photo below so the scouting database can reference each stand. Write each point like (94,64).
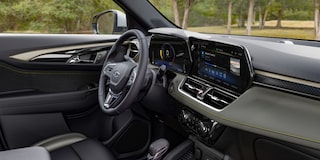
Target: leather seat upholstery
(83,150)
(75,146)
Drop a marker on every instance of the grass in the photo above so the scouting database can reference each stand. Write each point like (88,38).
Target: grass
(291,24)
(291,29)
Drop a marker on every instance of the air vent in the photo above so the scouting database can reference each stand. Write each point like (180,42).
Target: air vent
(210,95)
(133,50)
(217,99)
(193,88)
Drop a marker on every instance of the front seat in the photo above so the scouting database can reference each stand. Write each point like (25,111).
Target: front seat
(75,146)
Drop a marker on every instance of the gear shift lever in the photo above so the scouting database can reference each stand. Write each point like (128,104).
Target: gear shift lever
(157,149)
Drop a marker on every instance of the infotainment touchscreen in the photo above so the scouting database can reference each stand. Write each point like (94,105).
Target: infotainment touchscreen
(221,64)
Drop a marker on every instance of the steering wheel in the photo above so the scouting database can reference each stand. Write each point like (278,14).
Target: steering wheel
(122,77)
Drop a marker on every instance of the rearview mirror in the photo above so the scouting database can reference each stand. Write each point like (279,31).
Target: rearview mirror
(109,22)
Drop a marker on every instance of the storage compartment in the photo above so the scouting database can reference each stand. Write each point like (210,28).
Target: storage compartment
(203,152)
(51,102)
(267,150)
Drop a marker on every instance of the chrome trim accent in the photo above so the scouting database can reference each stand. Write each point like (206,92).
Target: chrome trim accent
(287,42)
(27,56)
(110,99)
(51,56)
(250,65)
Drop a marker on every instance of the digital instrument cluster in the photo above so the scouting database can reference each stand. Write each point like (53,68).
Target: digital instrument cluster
(221,64)
(171,52)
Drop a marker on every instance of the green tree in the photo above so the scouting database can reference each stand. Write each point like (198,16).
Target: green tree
(280,7)
(241,11)
(250,16)
(229,16)
(52,16)
(316,19)
(263,7)
(63,13)
(176,9)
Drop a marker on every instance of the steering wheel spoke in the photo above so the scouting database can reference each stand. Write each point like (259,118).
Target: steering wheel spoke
(111,99)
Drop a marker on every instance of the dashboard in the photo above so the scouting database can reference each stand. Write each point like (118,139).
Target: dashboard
(217,81)
(216,73)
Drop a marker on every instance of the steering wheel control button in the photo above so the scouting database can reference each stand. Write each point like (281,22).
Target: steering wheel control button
(107,71)
(132,77)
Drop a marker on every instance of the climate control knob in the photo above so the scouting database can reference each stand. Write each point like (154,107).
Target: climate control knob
(203,130)
(185,116)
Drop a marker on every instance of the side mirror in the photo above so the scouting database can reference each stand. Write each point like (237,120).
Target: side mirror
(109,22)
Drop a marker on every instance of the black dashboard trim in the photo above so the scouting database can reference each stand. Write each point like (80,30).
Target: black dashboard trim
(288,84)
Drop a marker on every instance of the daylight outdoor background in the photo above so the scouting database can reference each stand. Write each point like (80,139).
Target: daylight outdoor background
(275,18)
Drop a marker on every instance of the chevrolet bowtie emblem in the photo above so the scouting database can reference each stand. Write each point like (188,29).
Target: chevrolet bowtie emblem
(116,74)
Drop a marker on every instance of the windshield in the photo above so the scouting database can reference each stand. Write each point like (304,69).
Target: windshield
(296,19)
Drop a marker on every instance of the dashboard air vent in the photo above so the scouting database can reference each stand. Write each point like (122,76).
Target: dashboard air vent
(207,94)
(193,87)
(217,99)
(133,50)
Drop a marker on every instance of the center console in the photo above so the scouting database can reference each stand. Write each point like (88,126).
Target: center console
(210,76)
(207,130)
(220,73)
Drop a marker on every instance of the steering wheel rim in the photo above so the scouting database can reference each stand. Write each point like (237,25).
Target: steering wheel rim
(121,69)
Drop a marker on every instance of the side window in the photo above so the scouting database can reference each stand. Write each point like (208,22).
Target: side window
(60,17)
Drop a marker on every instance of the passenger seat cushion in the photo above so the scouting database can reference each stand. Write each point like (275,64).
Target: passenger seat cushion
(84,150)
(30,153)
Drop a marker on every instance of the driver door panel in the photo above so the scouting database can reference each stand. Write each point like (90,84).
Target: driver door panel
(48,86)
